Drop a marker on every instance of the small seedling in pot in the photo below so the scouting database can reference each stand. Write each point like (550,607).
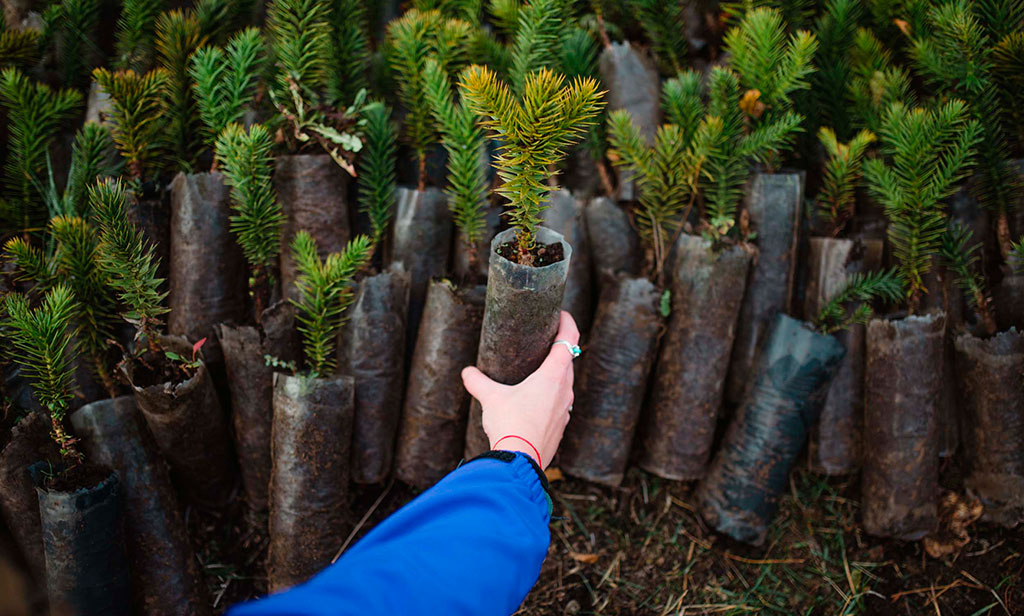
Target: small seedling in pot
(42,343)
(187,365)
(325,292)
(960,257)
(836,199)
(138,118)
(836,316)
(247,162)
(535,127)
(926,153)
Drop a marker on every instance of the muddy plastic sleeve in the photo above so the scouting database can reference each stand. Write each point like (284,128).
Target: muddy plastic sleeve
(473,544)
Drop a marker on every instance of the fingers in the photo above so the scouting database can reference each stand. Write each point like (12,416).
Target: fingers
(478,384)
(567,329)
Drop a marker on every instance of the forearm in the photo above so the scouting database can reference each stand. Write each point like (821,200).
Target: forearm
(473,544)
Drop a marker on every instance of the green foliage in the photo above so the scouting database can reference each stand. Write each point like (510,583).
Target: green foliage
(225,80)
(247,161)
(534,128)
(733,149)
(136,34)
(465,142)
(663,23)
(1017,260)
(876,83)
(34,115)
(926,153)
(842,173)
(126,258)
(92,156)
(960,256)
(219,18)
(42,343)
(138,115)
(771,66)
(413,38)
(350,51)
(72,25)
(954,54)
(177,37)
(505,15)
(18,48)
(836,31)
(377,169)
(578,59)
(300,36)
(1000,17)
(468,10)
(1008,75)
(536,42)
(30,263)
(325,291)
(796,13)
(862,288)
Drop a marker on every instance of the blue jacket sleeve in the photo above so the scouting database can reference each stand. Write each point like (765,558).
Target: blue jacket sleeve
(473,544)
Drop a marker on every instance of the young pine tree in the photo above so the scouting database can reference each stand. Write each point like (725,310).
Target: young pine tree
(955,56)
(669,171)
(926,152)
(465,142)
(771,65)
(536,41)
(92,156)
(876,82)
(42,343)
(535,128)
(960,257)
(836,200)
(825,102)
(128,262)
(325,291)
(860,288)
(1008,74)
(412,39)
(350,52)
(136,35)
(178,35)
(71,24)
(377,170)
(578,58)
(34,115)
(247,161)
(138,117)
(225,81)
(663,23)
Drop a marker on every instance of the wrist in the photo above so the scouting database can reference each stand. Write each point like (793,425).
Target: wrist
(519,444)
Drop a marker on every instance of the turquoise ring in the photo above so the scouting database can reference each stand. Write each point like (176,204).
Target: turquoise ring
(574,349)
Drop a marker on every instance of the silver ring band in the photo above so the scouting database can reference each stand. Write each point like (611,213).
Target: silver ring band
(574,349)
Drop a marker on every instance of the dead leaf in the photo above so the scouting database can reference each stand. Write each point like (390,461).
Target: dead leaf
(956,514)
(587,559)
(553,473)
(751,103)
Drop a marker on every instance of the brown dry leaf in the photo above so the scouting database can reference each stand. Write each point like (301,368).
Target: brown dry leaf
(587,559)
(751,103)
(956,514)
(553,473)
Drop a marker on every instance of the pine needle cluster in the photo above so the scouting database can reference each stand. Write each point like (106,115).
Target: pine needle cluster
(136,34)
(412,39)
(663,23)
(578,59)
(465,141)
(771,65)
(127,260)
(926,153)
(468,10)
(42,343)
(955,55)
(862,288)
(836,30)
(18,48)
(92,156)
(667,173)
(299,33)
(960,256)
(842,174)
(35,113)
(178,35)
(219,18)
(876,82)
(71,24)
(247,161)
(536,42)
(1008,73)
(350,51)
(325,291)
(377,169)
(534,128)
(137,116)
(225,80)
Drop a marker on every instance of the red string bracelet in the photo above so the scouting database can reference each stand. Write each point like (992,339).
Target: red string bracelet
(522,439)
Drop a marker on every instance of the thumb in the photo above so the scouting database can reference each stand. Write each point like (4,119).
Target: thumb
(478,384)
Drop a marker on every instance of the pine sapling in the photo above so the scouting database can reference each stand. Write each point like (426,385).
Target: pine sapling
(536,41)
(377,170)
(836,200)
(326,290)
(876,82)
(136,34)
(71,24)
(138,117)
(578,58)
(825,102)
(178,35)
(465,142)
(350,52)
(665,28)
(861,288)
(34,114)
(42,343)
(225,80)
(772,66)
(18,48)
(535,128)
(92,156)
(247,161)
(219,18)
(960,257)
(926,152)
(1008,75)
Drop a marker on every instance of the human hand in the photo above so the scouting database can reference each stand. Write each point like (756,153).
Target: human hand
(536,409)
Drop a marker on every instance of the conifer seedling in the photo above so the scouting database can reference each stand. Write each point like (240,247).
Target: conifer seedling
(35,113)
(960,257)
(825,102)
(535,128)
(836,200)
(18,48)
(138,117)
(665,27)
(178,35)
(377,170)
(136,34)
(876,82)
(927,151)
(247,161)
(325,291)
(72,25)
(42,343)
(861,288)
(92,156)
(350,52)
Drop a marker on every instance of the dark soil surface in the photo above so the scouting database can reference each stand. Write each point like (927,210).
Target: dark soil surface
(540,255)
